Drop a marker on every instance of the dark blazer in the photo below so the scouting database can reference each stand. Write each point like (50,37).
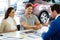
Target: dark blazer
(54,30)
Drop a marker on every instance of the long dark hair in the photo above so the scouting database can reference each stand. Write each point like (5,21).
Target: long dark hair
(8,12)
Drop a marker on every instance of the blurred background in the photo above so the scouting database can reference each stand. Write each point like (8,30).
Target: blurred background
(19,6)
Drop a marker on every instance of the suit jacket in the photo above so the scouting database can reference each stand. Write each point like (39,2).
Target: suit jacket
(54,30)
(5,26)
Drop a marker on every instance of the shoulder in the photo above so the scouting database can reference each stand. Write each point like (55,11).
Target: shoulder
(54,24)
(4,21)
(33,15)
(56,21)
(23,16)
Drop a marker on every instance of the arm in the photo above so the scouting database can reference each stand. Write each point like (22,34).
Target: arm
(52,30)
(16,26)
(25,25)
(37,24)
(13,30)
(2,26)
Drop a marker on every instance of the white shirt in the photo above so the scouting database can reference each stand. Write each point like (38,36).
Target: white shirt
(12,23)
(57,16)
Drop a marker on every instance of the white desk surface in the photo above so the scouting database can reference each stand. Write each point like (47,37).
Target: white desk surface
(20,36)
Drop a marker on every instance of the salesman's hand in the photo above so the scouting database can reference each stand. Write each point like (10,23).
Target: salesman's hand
(45,24)
(35,28)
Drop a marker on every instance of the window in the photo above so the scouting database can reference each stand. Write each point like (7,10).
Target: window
(3,7)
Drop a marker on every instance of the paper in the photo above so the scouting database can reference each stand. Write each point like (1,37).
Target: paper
(43,29)
(33,35)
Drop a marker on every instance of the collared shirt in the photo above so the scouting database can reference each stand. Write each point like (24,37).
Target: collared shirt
(57,16)
(12,23)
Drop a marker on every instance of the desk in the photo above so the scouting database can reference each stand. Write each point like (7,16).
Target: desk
(18,35)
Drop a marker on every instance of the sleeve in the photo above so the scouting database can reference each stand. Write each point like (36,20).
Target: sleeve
(22,19)
(36,19)
(2,26)
(52,30)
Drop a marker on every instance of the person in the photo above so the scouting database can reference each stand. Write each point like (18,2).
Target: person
(54,30)
(28,20)
(8,23)
(37,4)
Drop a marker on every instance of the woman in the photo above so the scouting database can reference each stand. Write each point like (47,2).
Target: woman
(8,23)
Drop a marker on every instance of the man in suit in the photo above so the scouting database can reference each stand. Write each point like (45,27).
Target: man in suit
(54,30)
